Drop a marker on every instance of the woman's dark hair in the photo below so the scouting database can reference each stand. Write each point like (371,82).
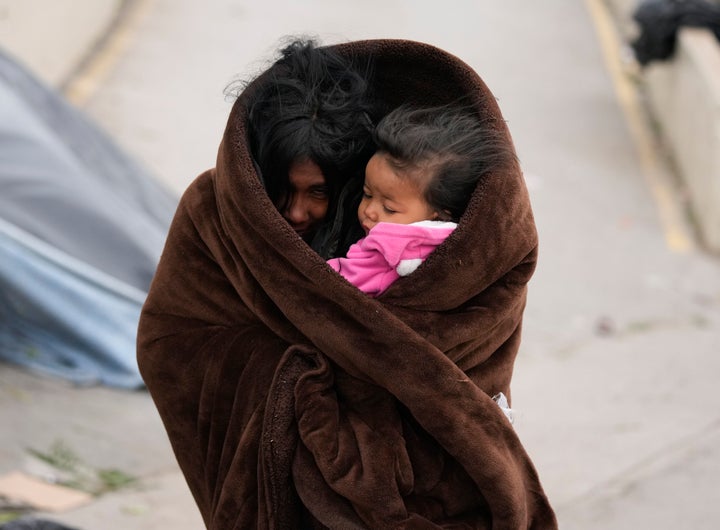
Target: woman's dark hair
(314,106)
(449,149)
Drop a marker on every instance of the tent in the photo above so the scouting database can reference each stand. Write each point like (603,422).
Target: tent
(82,226)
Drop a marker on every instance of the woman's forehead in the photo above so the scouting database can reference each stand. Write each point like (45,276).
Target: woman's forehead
(304,174)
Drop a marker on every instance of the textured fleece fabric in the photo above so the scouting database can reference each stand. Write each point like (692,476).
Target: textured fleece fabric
(293,400)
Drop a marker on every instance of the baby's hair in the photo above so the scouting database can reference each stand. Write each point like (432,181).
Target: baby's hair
(447,149)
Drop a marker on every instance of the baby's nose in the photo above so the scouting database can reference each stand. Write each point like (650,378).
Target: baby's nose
(371,212)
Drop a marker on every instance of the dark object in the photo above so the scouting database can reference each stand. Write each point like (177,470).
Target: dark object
(81,229)
(660,20)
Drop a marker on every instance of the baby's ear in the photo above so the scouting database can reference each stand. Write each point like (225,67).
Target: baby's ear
(445,215)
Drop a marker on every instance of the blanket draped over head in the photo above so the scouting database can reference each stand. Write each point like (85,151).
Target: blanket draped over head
(293,400)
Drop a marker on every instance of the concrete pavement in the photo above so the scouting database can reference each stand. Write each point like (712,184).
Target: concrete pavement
(615,383)
(54,39)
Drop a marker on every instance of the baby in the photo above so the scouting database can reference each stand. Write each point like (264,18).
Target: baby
(417,186)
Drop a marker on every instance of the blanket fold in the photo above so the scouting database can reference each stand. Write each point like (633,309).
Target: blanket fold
(360,412)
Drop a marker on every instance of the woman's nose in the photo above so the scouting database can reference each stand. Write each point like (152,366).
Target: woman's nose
(296,211)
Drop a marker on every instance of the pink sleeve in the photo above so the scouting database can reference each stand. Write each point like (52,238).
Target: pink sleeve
(371,263)
(366,267)
(401,242)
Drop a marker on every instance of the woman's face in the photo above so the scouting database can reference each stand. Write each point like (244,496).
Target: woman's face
(306,202)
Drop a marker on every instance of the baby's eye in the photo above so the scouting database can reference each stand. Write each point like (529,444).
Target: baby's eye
(389,210)
(366,195)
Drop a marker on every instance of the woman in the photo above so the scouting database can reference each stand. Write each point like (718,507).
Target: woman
(292,399)
(309,129)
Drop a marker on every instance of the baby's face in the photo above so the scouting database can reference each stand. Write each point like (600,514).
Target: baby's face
(391,198)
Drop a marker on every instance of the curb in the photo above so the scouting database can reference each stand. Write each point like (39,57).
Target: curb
(51,38)
(681,97)
(94,68)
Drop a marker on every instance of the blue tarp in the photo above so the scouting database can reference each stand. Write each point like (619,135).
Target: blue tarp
(82,226)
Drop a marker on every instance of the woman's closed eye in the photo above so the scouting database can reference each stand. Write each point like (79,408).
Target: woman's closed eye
(320,192)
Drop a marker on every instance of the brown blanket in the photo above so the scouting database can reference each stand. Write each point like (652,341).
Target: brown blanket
(293,400)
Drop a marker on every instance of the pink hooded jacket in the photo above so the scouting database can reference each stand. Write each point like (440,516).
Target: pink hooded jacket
(389,251)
